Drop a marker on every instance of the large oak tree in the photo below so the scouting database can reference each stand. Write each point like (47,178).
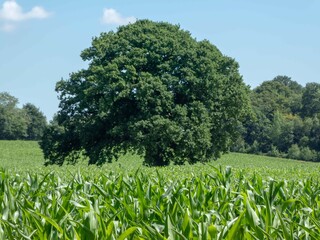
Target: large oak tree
(149,88)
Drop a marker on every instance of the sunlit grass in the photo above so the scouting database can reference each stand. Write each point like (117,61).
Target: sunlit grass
(24,156)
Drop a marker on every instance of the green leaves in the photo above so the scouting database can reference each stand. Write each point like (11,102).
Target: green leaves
(150,88)
(125,199)
(143,205)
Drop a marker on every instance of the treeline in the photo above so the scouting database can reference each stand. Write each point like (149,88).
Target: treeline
(285,121)
(26,123)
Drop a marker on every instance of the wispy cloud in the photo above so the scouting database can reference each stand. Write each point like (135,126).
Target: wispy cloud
(7,27)
(11,13)
(112,17)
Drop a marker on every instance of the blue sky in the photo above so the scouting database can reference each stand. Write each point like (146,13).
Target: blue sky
(40,41)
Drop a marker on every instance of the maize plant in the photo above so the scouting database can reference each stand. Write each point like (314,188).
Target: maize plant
(113,205)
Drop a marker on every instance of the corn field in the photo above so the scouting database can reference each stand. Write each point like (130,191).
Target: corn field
(215,205)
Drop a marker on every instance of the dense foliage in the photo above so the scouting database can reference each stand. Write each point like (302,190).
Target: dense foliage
(16,123)
(286,120)
(151,88)
(117,206)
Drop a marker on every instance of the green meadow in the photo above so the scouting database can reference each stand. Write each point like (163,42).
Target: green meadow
(236,197)
(26,156)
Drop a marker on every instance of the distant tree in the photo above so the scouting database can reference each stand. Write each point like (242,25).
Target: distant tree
(8,101)
(311,100)
(280,94)
(150,88)
(288,82)
(36,122)
(13,124)
(286,120)
(257,132)
(314,136)
(307,154)
(294,152)
(281,132)
(298,129)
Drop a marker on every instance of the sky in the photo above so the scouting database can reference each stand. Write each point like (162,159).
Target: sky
(41,41)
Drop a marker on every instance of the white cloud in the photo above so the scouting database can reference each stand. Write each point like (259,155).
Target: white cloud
(111,16)
(11,12)
(37,12)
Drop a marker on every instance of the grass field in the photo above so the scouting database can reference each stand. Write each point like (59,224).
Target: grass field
(26,156)
(237,197)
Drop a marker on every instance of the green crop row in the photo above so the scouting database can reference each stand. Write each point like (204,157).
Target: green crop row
(216,205)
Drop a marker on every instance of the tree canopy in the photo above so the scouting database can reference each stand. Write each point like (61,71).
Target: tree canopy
(13,125)
(36,121)
(280,94)
(16,123)
(311,100)
(286,120)
(149,88)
